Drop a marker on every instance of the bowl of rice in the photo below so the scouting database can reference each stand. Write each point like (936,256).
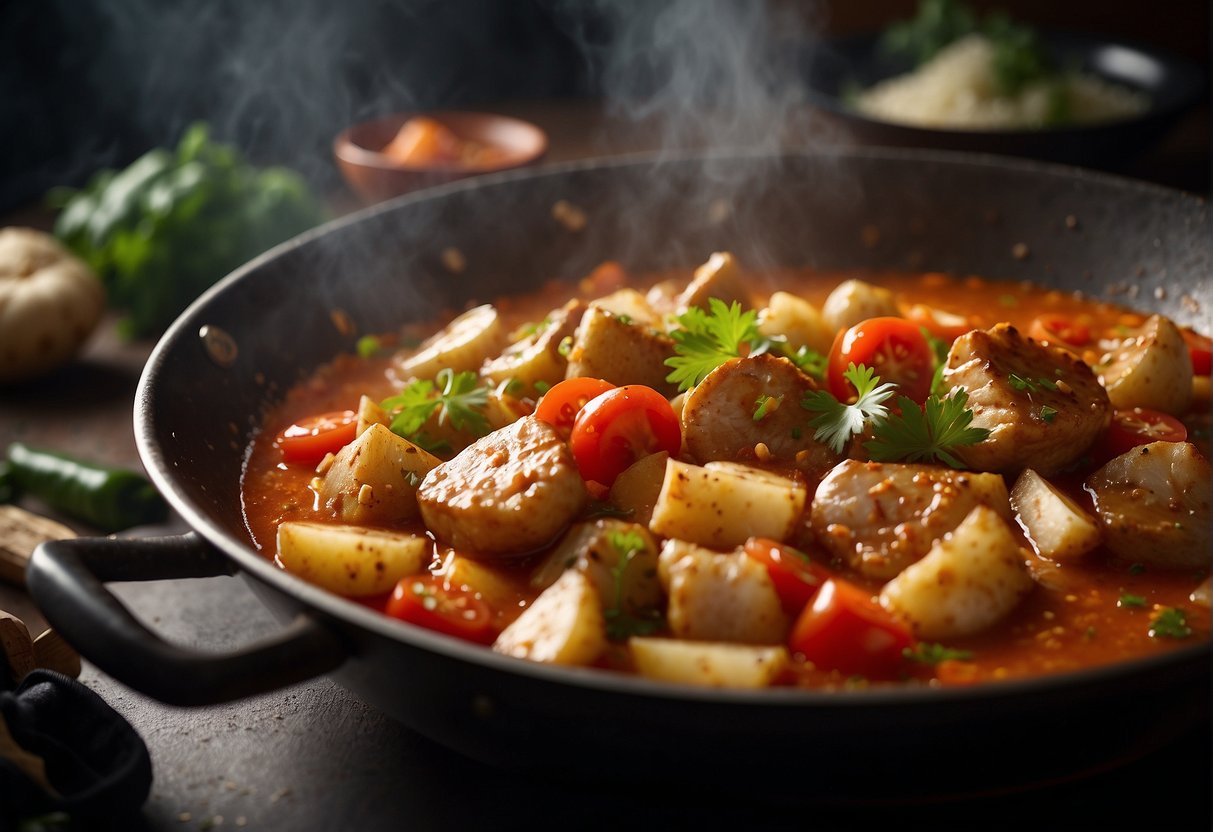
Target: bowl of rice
(998,87)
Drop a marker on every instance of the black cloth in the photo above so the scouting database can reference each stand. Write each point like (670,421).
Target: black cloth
(95,760)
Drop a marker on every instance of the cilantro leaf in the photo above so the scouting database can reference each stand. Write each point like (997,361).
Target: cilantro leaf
(926,653)
(838,422)
(1170,622)
(925,434)
(620,624)
(810,363)
(460,401)
(708,339)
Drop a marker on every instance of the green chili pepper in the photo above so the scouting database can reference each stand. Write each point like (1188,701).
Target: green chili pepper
(109,498)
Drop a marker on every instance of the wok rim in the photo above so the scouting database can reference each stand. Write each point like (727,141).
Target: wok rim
(350,613)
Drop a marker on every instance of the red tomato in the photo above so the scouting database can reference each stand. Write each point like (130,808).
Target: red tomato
(560,405)
(1060,330)
(894,347)
(619,427)
(845,630)
(308,440)
(427,602)
(796,578)
(1140,426)
(1200,347)
(943,325)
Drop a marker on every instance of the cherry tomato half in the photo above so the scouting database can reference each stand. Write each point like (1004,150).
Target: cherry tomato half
(796,578)
(308,440)
(1200,347)
(619,427)
(560,405)
(845,630)
(1140,426)
(894,347)
(427,602)
(1060,330)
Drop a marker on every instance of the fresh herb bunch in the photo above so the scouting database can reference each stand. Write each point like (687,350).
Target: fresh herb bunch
(164,229)
(705,340)
(838,422)
(1019,57)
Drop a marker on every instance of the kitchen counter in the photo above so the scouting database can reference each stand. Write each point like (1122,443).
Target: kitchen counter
(313,757)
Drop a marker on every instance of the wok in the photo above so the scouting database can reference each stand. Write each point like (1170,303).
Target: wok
(295,307)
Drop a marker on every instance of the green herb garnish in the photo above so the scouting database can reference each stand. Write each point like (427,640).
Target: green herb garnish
(926,434)
(1047,413)
(457,398)
(1170,622)
(838,422)
(763,405)
(935,653)
(1128,600)
(619,623)
(705,340)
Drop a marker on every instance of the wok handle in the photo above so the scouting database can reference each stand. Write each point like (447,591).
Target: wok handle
(66,577)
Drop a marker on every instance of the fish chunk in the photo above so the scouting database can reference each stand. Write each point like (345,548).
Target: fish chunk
(509,493)
(1153,505)
(718,418)
(881,517)
(1043,406)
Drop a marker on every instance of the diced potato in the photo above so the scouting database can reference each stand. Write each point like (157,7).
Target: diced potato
(374,479)
(636,489)
(1153,370)
(350,560)
(719,597)
(723,504)
(970,580)
(501,409)
(476,577)
(609,348)
(1153,505)
(628,303)
(797,320)
(463,345)
(720,278)
(537,358)
(1057,527)
(591,548)
(564,625)
(706,664)
(853,301)
(370,413)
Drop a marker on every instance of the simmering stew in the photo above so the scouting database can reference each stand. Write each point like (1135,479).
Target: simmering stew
(748,480)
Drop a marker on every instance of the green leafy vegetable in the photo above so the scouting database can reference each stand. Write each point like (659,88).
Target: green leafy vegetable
(706,340)
(369,346)
(164,229)
(838,422)
(1129,600)
(935,653)
(811,363)
(939,349)
(458,398)
(928,433)
(1170,622)
(763,406)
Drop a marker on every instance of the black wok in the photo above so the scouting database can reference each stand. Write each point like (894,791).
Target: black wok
(292,309)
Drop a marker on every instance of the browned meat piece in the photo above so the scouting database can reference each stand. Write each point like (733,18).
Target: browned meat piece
(1042,406)
(510,492)
(881,517)
(718,418)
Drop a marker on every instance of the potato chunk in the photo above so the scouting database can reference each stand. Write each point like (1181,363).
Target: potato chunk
(611,348)
(719,597)
(1152,369)
(723,504)
(798,321)
(1056,526)
(969,581)
(564,625)
(1153,505)
(637,488)
(720,278)
(374,479)
(536,357)
(596,549)
(713,665)
(350,560)
(853,301)
(463,345)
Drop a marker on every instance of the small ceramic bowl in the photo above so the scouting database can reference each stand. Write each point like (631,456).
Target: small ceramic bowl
(375,176)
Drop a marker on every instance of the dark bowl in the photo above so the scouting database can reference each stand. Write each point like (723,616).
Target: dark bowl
(1172,84)
(376,177)
(198,407)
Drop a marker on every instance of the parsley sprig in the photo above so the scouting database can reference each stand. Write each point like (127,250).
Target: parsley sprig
(620,624)
(836,422)
(455,397)
(705,340)
(928,433)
